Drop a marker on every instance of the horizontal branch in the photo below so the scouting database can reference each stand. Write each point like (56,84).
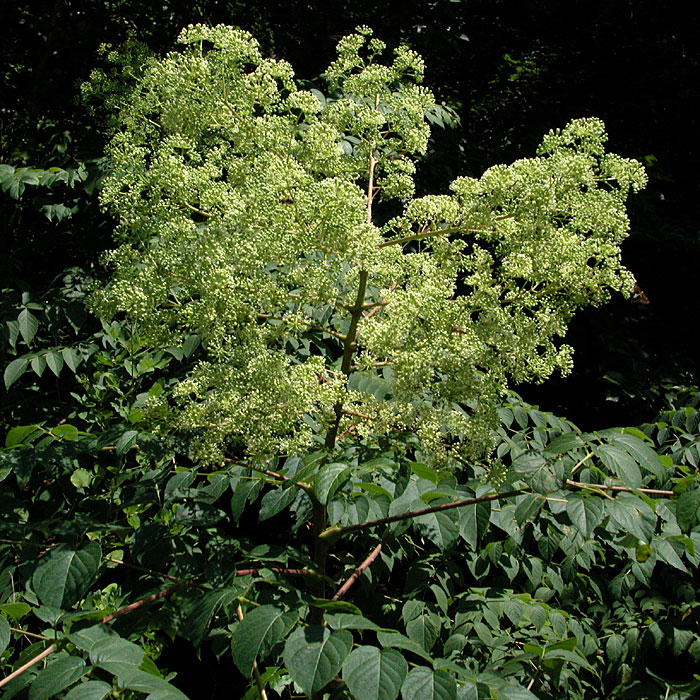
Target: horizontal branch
(334,532)
(629,489)
(140,603)
(310,324)
(30,634)
(437,232)
(301,484)
(287,572)
(137,567)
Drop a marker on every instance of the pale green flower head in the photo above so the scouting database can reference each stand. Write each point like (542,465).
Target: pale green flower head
(248,215)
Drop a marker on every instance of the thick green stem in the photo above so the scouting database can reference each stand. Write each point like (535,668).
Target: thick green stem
(320,520)
(317,584)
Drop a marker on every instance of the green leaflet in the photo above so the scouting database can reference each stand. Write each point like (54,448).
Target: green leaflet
(633,515)
(4,633)
(374,674)
(64,574)
(157,688)
(687,509)
(203,608)
(314,655)
(425,684)
(259,629)
(585,512)
(116,655)
(91,690)
(441,527)
(275,501)
(61,672)
(620,463)
(329,478)
(397,640)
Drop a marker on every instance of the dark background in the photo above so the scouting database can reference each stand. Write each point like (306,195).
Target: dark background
(512,70)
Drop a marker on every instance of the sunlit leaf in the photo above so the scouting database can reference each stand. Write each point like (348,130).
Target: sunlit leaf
(373,674)
(313,655)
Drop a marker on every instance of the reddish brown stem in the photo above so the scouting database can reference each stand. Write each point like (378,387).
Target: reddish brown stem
(140,603)
(357,573)
(49,650)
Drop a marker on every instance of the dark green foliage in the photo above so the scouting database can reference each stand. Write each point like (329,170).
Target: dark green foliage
(565,590)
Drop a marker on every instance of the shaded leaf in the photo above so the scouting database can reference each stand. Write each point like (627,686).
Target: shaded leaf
(4,634)
(14,371)
(275,501)
(687,509)
(17,435)
(564,443)
(585,512)
(441,527)
(57,676)
(116,655)
(92,690)
(423,683)
(350,621)
(329,479)
(71,358)
(157,688)
(633,515)
(203,609)
(55,361)
(399,641)
(64,574)
(619,463)
(28,325)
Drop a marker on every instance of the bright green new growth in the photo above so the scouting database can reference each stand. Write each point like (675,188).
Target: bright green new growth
(248,215)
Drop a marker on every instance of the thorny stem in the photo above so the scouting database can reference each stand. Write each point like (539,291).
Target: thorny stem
(288,572)
(357,573)
(606,487)
(301,484)
(107,618)
(335,531)
(140,603)
(29,664)
(317,585)
(144,569)
(319,516)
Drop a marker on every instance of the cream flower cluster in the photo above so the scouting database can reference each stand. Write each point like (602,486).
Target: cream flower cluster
(245,215)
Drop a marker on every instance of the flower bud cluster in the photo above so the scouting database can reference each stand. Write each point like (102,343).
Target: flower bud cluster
(244,216)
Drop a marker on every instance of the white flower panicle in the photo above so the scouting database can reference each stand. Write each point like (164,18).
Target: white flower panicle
(245,216)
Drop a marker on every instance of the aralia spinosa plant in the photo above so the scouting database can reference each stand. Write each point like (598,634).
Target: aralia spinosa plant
(354,344)
(280,226)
